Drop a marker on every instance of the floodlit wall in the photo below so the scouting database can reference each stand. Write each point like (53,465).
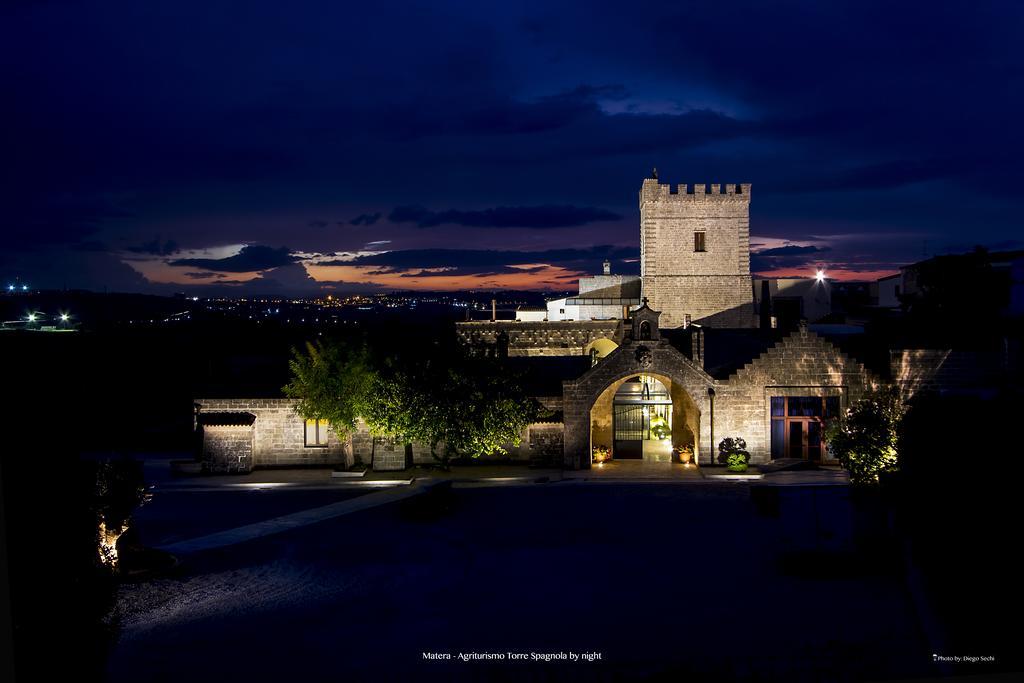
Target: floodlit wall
(712,286)
(279,433)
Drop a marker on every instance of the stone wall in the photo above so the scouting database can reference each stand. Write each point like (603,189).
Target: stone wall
(545,444)
(227,448)
(657,358)
(802,364)
(279,433)
(552,338)
(942,370)
(714,285)
(617,286)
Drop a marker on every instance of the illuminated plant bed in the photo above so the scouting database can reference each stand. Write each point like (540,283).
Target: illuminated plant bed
(601,455)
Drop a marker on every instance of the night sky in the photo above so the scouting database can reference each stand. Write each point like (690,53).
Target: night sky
(265,147)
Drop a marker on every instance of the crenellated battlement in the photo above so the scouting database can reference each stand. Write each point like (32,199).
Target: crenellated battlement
(653,190)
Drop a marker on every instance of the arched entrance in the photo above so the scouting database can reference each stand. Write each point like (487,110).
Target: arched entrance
(642,420)
(642,417)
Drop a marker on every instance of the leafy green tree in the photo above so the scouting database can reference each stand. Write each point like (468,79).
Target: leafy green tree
(332,382)
(865,438)
(458,404)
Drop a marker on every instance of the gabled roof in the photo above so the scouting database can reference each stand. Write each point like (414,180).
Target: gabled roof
(725,350)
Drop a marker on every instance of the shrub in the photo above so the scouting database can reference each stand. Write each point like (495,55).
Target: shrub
(865,438)
(733,446)
(602,453)
(736,462)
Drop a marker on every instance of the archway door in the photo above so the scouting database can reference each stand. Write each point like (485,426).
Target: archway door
(642,419)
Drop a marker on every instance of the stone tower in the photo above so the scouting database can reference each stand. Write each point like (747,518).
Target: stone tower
(695,253)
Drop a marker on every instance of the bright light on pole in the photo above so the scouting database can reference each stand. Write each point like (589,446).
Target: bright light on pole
(64,317)
(31,317)
(820,275)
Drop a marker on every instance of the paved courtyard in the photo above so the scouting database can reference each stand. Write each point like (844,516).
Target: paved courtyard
(674,580)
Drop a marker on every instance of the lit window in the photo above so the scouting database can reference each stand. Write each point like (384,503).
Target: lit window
(316,433)
(698,241)
(798,423)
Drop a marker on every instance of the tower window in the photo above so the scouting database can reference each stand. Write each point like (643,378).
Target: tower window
(698,241)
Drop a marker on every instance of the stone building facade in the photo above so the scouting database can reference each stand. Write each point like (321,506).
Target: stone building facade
(692,337)
(695,253)
(514,338)
(238,435)
(276,433)
(707,409)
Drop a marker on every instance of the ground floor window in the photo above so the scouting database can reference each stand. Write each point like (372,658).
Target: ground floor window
(797,424)
(316,433)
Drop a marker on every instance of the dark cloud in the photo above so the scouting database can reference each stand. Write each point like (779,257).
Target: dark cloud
(854,115)
(46,220)
(475,271)
(788,256)
(90,245)
(365,219)
(444,258)
(538,217)
(251,258)
(494,261)
(155,247)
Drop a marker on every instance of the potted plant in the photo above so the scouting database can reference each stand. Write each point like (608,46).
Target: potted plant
(733,451)
(601,454)
(683,454)
(659,427)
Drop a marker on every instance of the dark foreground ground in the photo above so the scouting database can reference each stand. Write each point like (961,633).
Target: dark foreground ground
(666,582)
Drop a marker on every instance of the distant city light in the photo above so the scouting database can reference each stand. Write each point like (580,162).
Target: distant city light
(64,317)
(820,275)
(31,317)
(24,288)
(10,288)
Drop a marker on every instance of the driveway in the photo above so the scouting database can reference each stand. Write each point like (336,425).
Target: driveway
(661,580)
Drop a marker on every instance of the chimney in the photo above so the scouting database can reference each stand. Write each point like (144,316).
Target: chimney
(766,306)
(494,310)
(607,267)
(697,344)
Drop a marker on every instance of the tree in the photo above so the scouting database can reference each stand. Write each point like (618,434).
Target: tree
(458,404)
(865,438)
(332,382)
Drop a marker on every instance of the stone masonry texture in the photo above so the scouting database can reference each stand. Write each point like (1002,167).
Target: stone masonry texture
(712,286)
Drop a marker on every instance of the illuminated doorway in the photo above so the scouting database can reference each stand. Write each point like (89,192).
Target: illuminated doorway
(642,420)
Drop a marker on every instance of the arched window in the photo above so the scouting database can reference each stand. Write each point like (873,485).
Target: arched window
(645,329)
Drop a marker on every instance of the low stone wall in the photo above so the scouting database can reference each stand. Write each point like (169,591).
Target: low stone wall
(227,448)
(545,444)
(278,434)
